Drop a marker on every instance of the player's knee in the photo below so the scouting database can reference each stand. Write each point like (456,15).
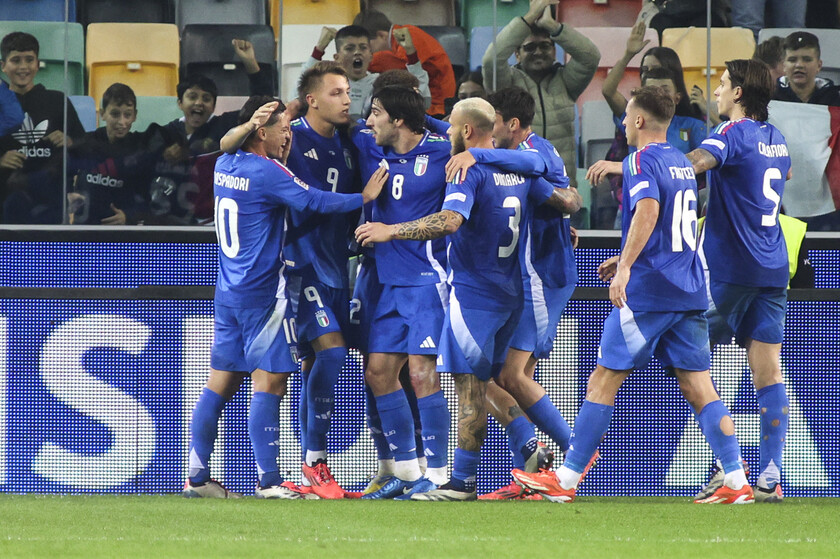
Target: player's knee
(273,383)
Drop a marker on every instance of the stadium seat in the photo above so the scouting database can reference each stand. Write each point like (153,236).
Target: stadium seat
(611,42)
(586,13)
(143,56)
(86,109)
(207,50)
(136,11)
(404,12)
(597,131)
(690,45)
(480,39)
(158,110)
(454,43)
(37,10)
(313,12)
(194,12)
(51,38)
(829,48)
(479,13)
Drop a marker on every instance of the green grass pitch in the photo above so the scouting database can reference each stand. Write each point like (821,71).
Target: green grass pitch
(168,526)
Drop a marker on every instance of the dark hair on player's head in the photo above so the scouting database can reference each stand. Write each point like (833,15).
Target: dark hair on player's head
(514,102)
(118,94)
(199,81)
(771,51)
(405,103)
(373,21)
(802,40)
(311,78)
(350,31)
(658,74)
(19,41)
(669,59)
(395,77)
(254,102)
(756,83)
(653,100)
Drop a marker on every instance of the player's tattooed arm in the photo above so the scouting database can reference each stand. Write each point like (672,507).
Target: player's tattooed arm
(472,411)
(567,200)
(432,226)
(702,160)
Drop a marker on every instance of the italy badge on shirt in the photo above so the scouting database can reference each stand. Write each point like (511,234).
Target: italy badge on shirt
(421,163)
(322,318)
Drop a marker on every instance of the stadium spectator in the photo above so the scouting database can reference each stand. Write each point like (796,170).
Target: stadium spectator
(397,46)
(554,85)
(659,309)
(31,155)
(800,83)
(113,167)
(745,251)
(771,51)
(254,188)
(353,53)
(471,84)
(783,13)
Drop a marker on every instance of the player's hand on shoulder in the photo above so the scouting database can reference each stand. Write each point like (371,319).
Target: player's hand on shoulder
(369,233)
(375,184)
(606,270)
(600,169)
(457,163)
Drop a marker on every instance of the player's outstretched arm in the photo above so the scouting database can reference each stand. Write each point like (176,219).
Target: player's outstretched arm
(567,200)
(433,226)
(600,169)
(644,219)
(237,135)
(702,160)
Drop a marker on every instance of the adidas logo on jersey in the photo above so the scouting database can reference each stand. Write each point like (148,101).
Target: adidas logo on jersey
(29,132)
(428,343)
(104,180)
(311,154)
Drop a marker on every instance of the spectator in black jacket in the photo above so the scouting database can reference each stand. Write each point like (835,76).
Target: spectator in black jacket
(800,83)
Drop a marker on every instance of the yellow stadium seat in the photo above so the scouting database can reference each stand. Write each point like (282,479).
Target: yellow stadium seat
(144,56)
(334,13)
(690,45)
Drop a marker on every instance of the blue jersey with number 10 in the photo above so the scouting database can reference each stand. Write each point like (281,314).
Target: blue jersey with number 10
(667,276)
(743,242)
(484,252)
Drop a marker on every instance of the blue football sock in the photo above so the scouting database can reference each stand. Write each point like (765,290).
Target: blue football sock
(264,429)
(591,424)
(304,378)
(204,428)
(464,469)
(435,418)
(418,425)
(397,424)
(773,404)
(320,395)
(547,418)
(383,452)
(724,446)
(520,433)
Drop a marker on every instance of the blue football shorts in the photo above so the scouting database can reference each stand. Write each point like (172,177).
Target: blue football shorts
(409,319)
(541,314)
(745,312)
(366,294)
(475,341)
(319,308)
(678,339)
(254,338)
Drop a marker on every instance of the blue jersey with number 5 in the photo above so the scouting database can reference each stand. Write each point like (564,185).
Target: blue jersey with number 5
(252,194)
(667,276)
(743,242)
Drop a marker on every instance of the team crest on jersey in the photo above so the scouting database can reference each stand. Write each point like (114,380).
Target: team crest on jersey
(348,159)
(322,318)
(421,164)
(684,134)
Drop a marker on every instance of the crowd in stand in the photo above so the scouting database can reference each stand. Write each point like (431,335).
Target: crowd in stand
(52,172)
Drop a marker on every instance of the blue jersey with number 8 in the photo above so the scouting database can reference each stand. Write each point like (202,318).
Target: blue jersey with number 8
(743,242)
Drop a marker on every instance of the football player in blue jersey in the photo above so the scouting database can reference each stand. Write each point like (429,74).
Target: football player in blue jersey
(483,214)
(745,250)
(407,321)
(549,275)
(253,190)
(659,293)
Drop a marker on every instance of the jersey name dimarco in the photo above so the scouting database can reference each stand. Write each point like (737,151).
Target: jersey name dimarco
(228,181)
(508,179)
(773,150)
(682,173)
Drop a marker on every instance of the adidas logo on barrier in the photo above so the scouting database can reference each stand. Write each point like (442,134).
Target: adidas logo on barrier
(428,343)
(311,154)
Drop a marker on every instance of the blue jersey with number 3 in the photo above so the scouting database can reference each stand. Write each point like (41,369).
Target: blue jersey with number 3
(484,252)
(252,195)
(667,276)
(743,242)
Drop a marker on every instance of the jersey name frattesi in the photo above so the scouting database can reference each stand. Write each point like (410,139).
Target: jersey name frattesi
(228,181)
(682,173)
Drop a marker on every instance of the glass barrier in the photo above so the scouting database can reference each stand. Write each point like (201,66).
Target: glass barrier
(105,120)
